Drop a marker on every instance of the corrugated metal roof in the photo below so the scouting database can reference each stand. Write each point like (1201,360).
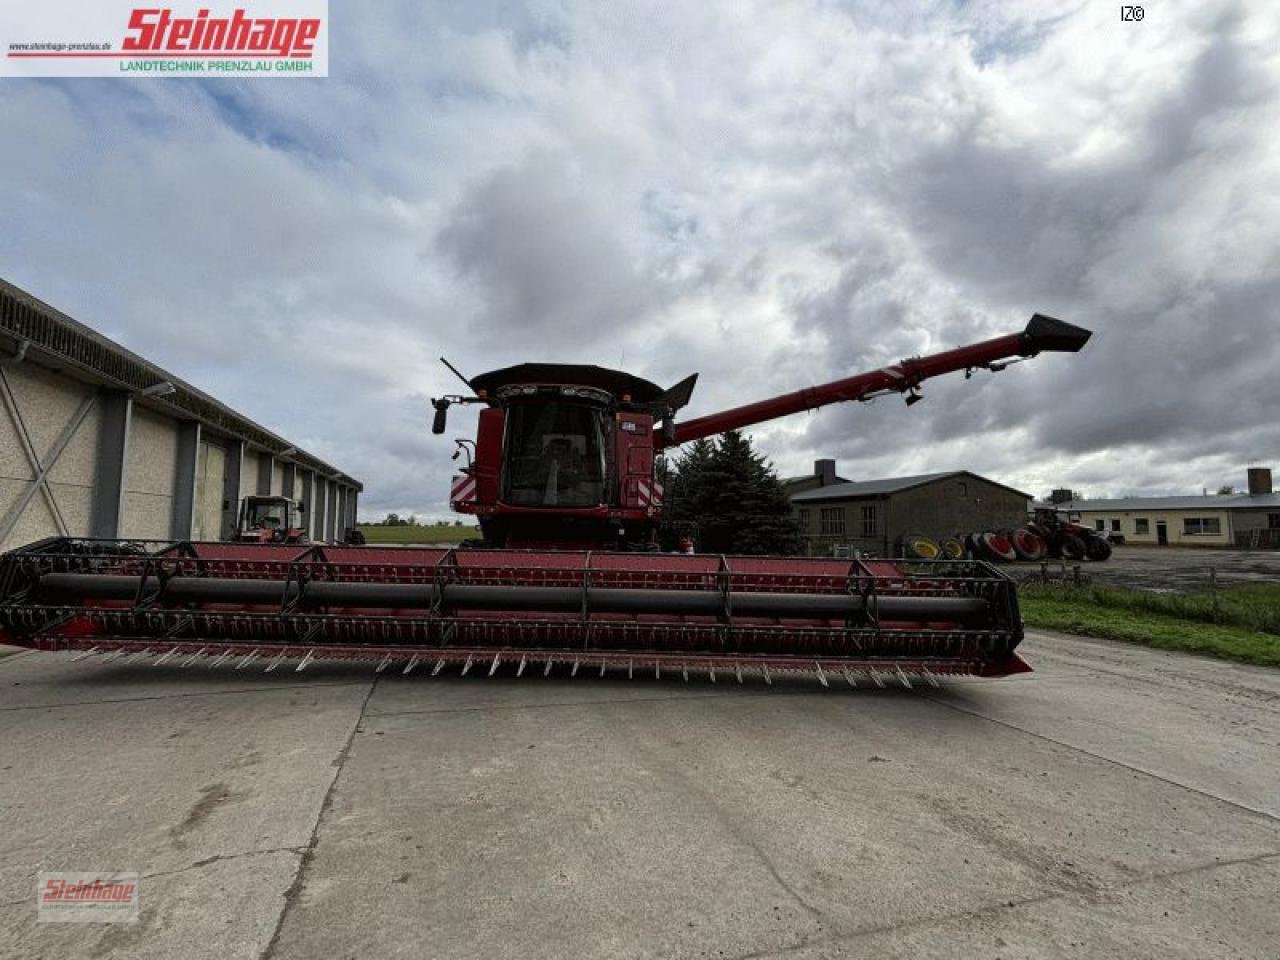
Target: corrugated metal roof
(1234,501)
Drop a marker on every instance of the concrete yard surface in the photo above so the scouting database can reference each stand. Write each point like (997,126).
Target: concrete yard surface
(1177,569)
(1120,802)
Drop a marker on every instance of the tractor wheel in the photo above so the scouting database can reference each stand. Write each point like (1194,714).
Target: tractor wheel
(973,547)
(1040,530)
(1071,547)
(953,548)
(1027,544)
(1097,548)
(920,547)
(999,546)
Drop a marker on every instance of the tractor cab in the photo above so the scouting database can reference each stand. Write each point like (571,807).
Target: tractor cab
(270,519)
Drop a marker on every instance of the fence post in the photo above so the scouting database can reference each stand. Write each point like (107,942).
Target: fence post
(1213,592)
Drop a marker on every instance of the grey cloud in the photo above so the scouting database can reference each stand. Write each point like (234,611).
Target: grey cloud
(545,259)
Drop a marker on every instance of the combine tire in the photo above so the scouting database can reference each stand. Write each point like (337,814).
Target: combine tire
(1071,547)
(920,547)
(999,547)
(1097,548)
(953,548)
(1027,544)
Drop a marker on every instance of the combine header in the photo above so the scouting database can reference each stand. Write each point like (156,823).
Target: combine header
(566,577)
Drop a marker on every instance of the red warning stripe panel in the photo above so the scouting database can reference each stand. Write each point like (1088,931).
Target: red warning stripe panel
(463,489)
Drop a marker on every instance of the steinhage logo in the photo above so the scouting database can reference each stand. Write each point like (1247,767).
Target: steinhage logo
(161,30)
(94,38)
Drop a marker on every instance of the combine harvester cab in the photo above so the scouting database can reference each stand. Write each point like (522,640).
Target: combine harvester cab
(564,487)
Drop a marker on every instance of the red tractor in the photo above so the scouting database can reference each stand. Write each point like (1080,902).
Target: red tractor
(1069,539)
(563,483)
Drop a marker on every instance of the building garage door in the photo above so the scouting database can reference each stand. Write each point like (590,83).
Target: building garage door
(211,477)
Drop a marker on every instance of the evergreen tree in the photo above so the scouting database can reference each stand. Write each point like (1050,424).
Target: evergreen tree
(728,498)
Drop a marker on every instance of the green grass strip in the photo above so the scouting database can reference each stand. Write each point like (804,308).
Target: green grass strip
(1058,609)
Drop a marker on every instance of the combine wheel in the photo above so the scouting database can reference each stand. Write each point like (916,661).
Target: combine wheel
(953,548)
(1071,547)
(1027,544)
(919,547)
(999,546)
(1097,548)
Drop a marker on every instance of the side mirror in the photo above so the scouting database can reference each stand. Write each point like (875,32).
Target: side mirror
(442,413)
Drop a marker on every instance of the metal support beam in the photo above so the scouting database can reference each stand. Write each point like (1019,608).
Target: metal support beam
(266,464)
(330,512)
(307,495)
(111,469)
(184,481)
(231,488)
(319,497)
(290,471)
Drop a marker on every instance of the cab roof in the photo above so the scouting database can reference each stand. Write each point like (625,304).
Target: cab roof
(615,382)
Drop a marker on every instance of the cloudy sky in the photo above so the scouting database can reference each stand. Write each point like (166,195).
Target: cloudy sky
(771,194)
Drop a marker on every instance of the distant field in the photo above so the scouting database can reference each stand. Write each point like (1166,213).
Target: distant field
(378,534)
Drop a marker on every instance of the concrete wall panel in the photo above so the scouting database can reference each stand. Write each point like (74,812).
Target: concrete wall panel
(47,401)
(248,475)
(147,516)
(35,523)
(153,453)
(75,501)
(149,476)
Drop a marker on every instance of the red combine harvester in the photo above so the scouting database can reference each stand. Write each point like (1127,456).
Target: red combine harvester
(562,482)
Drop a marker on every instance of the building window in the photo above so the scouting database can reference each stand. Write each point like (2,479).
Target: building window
(1115,526)
(1100,525)
(804,519)
(1201,526)
(963,488)
(831,520)
(869,520)
(1142,526)
(1273,521)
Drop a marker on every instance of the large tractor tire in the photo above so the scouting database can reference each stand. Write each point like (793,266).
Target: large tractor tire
(999,547)
(1040,530)
(953,548)
(919,547)
(973,547)
(1070,547)
(1097,548)
(1028,544)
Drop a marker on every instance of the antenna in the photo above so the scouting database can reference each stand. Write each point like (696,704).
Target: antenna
(455,372)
